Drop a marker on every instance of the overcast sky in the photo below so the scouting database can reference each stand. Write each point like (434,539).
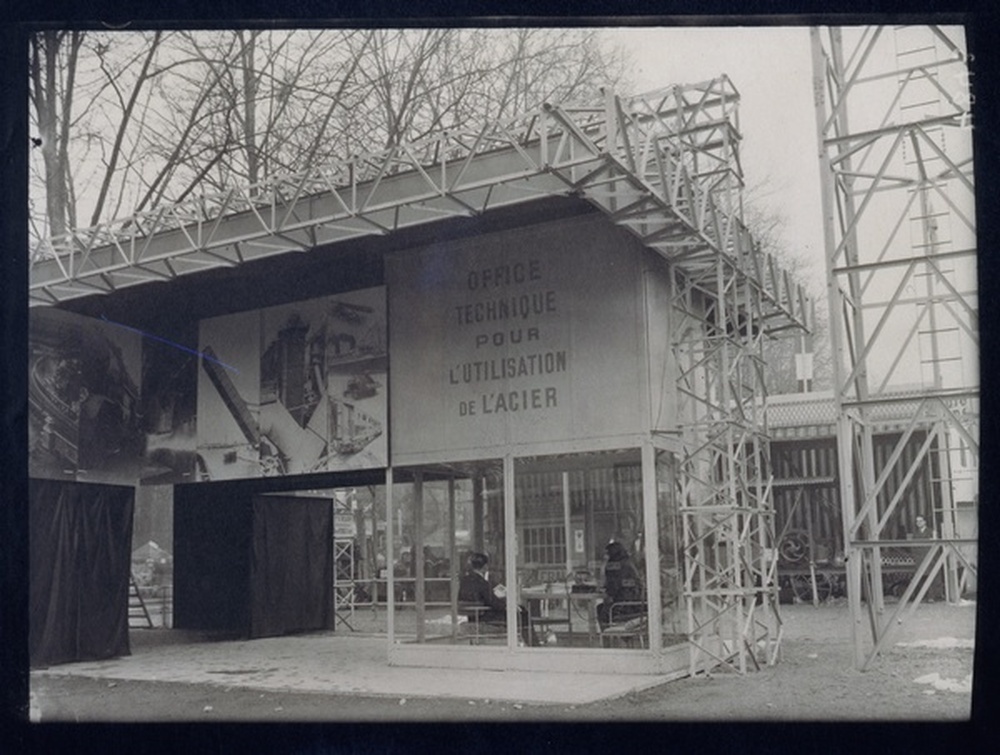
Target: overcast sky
(772,70)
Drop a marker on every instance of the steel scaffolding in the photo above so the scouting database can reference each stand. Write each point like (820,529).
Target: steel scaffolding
(726,508)
(665,166)
(893,120)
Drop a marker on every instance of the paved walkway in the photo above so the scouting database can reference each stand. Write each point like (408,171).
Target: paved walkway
(330,663)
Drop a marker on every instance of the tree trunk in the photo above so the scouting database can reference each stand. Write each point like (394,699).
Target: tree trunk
(44,71)
(247,49)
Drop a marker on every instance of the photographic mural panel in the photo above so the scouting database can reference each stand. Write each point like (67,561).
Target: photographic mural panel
(323,381)
(229,437)
(53,394)
(83,396)
(294,389)
(168,407)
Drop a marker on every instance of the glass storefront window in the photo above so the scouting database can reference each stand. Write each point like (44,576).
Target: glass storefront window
(442,515)
(671,566)
(580,549)
(359,552)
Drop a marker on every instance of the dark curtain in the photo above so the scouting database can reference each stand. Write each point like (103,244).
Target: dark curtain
(80,544)
(291,565)
(212,542)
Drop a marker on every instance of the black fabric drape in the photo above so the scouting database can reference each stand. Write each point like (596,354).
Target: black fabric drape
(212,541)
(291,565)
(79,560)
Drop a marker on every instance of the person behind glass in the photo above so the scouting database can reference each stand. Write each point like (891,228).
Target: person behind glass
(404,567)
(475,589)
(621,585)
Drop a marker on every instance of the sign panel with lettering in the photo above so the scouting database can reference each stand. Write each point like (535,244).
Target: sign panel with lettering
(517,337)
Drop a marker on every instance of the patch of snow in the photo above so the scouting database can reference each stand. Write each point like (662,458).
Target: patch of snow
(940,642)
(946,685)
(447,620)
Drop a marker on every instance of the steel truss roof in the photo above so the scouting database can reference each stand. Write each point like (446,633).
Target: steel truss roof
(659,164)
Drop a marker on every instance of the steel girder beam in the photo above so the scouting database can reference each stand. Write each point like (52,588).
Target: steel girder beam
(659,165)
(893,118)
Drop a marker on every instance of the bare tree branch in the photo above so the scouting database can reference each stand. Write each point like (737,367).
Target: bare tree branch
(129,121)
(119,137)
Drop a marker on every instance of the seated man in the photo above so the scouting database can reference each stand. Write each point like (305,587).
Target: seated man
(475,589)
(622,584)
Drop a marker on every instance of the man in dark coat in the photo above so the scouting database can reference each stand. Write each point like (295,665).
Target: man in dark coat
(475,589)
(622,584)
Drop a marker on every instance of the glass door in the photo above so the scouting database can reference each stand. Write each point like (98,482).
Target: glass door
(581,549)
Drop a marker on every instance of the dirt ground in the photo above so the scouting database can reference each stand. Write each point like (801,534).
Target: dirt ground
(925,676)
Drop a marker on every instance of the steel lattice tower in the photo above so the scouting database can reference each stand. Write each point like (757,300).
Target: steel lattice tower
(893,120)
